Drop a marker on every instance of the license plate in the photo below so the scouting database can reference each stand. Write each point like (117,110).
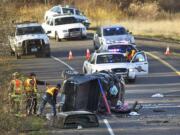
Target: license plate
(75,34)
(33,49)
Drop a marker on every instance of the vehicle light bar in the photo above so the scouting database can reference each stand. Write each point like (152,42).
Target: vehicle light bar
(114,50)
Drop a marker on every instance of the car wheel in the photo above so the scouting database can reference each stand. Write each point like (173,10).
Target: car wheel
(132,80)
(18,56)
(57,38)
(12,53)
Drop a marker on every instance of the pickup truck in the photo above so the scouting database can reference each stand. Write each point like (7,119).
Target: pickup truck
(29,38)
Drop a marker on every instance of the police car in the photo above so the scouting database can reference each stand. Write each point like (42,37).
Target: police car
(117,63)
(64,27)
(123,47)
(111,35)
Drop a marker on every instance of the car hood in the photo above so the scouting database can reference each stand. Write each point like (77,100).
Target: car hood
(69,26)
(100,67)
(32,36)
(114,39)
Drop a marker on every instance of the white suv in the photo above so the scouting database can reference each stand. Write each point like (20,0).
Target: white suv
(60,10)
(64,27)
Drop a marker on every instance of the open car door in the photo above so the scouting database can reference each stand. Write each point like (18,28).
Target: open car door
(140,63)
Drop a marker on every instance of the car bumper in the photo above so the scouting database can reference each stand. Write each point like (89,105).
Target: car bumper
(75,34)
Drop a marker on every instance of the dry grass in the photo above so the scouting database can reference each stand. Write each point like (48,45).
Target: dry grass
(161,28)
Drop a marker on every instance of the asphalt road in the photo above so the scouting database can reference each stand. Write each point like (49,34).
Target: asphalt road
(158,115)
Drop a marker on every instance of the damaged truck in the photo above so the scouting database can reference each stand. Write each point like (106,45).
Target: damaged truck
(29,38)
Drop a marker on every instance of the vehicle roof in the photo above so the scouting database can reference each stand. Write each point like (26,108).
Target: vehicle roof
(111,26)
(20,25)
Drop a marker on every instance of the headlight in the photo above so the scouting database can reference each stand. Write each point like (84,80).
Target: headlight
(65,31)
(131,70)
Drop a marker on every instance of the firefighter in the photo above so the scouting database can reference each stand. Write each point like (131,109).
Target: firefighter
(30,86)
(15,92)
(50,97)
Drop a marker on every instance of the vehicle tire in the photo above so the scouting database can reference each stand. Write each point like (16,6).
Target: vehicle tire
(57,37)
(12,53)
(132,80)
(18,56)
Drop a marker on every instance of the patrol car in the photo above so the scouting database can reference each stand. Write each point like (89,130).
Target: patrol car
(60,10)
(110,35)
(117,63)
(29,38)
(64,27)
(123,47)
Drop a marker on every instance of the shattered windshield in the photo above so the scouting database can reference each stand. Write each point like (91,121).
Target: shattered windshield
(65,20)
(110,58)
(30,30)
(114,31)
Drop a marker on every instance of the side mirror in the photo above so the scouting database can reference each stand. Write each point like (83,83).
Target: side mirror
(48,32)
(130,33)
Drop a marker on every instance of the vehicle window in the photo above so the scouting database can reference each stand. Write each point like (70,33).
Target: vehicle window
(68,11)
(56,9)
(110,58)
(139,58)
(114,31)
(30,30)
(78,12)
(120,48)
(65,20)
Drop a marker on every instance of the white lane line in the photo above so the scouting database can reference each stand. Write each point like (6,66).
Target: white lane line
(164,62)
(57,59)
(108,127)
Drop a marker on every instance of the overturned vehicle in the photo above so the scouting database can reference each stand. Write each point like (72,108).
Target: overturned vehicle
(97,92)
(87,95)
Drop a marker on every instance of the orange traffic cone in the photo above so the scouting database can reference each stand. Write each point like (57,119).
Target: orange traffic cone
(70,57)
(167,52)
(88,54)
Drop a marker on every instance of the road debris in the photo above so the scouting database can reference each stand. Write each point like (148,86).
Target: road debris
(134,114)
(158,95)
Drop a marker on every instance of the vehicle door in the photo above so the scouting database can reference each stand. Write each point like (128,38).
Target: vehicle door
(50,27)
(140,63)
(97,38)
(90,64)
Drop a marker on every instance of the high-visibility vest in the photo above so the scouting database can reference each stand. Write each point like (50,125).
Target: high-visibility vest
(17,86)
(51,90)
(30,87)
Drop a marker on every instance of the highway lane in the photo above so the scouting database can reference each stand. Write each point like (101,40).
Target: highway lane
(160,80)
